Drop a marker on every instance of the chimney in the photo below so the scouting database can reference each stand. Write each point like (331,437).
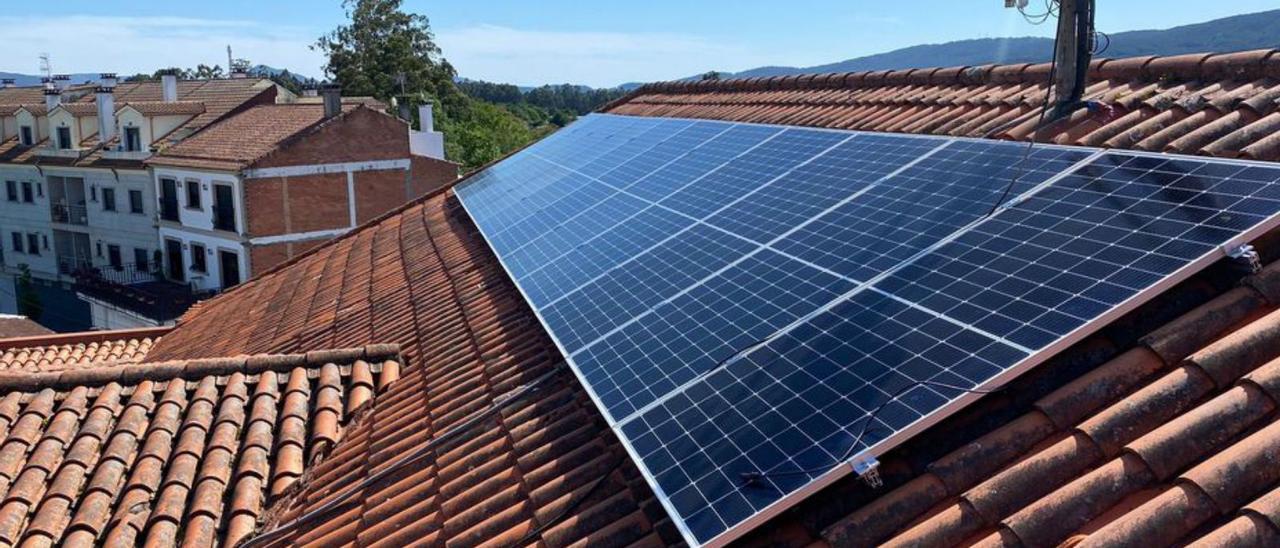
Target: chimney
(404,110)
(332,95)
(60,81)
(310,92)
(426,117)
(239,72)
(169,84)
(7,83)
(106,102)
(52,98)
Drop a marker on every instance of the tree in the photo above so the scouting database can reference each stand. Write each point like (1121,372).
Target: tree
(29,304)
(712,75)
(206,72)
(384,51)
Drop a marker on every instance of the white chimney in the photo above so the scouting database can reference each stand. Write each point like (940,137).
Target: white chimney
(52,98)
(106,101)
(60,81)
(426,117)
(169,84)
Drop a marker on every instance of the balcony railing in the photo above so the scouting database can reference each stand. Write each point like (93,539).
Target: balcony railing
(70,266)
(138,289)
(69,214)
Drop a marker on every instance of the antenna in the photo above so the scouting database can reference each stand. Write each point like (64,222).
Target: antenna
(46,68)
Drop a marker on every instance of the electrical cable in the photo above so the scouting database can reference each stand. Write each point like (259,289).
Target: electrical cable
(754,477)
(1018,172)
(528,538)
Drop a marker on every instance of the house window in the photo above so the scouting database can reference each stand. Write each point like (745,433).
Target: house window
(135,201)
(113,257)
(197,258)
(33,243)
(27,195)
(140,259)
(193,194)
(132,139)
(17,242)
(11,189)
(99,247)
(27,139)
(64,138)
(108,199)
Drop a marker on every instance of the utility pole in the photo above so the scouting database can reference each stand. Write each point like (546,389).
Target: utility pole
(1073,53)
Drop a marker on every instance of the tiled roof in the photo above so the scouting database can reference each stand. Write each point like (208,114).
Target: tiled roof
(184,452)
(163,108)
(239,140)
(218,97)
(59,352)
(544,466)
(20,326)
(1214,104)
(80,109)
(1161,427)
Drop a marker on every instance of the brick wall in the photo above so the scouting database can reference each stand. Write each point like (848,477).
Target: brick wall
(359,135)
(378,192)
(430,175)
(265,257)
(289,205)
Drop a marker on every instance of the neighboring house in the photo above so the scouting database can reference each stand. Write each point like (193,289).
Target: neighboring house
(77,198)
(12,325)
(294,428)
(274,181)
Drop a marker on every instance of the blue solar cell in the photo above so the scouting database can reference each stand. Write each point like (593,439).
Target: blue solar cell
(592,310)
(747,173)
(699,162)
(809,189)
(803,403)
(919,206)
(1092,240)
(601,252)
(690,334)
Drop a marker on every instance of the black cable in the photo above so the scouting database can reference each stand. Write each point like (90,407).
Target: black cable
(528,538)
(754,477)
(1018,172)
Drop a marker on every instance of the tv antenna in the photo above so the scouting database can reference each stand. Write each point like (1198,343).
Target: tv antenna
(46,68)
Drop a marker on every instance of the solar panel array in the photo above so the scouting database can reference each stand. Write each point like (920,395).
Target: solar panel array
(774,303)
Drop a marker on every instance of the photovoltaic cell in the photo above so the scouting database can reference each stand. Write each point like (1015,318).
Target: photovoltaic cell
(921,205)
(747,299)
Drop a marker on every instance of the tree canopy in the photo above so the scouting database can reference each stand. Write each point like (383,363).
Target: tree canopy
(384,51)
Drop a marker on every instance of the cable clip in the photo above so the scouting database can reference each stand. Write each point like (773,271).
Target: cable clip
(1247,256)
(868,470)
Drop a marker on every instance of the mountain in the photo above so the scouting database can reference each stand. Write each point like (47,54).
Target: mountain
(1235,33)
(34,80)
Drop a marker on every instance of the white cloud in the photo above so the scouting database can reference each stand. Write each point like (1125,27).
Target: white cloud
(502,54)
(81,43)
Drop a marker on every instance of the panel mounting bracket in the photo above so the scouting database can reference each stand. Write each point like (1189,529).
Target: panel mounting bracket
(1245,254)
(868,470)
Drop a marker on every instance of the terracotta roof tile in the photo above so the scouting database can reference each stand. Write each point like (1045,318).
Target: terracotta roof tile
(59,352)
(180,456)
(245,137)
(1152,429)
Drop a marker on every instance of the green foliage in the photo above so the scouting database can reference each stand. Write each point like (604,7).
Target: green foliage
(384,51)
(29,304)
(477,132)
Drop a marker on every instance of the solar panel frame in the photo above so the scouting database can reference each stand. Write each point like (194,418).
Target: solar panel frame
(963,401)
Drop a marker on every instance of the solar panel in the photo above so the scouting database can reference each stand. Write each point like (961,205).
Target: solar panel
(698,273)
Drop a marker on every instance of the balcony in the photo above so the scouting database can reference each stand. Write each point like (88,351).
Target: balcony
(69,214)
(140,289)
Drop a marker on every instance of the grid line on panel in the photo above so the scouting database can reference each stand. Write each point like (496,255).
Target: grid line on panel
(796,403)
(919,206)
(526,261)
(697,222)
(1088,243)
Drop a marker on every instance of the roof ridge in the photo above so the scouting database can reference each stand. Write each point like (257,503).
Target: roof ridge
(82,337)
(193,369)
(1248,64)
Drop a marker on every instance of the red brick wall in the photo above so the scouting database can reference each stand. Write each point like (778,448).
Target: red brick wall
(378,192)
(360,135)
(430,175)
(317,202)
(264,206)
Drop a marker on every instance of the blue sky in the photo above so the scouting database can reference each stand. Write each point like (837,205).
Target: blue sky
(599,43)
